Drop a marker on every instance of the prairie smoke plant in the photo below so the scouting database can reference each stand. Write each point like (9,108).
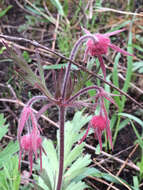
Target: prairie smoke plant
(100,122)
(101,48)
(64,96)
(31,142)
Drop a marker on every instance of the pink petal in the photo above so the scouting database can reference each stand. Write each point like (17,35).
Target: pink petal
(40,159)
(108,131)
(109,99)
(116,48)
(102,66)
(23,118)
(98,134)
(34,121)
(30,157)
(85,135)
(114,33)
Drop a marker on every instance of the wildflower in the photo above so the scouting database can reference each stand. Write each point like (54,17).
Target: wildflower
(100,122)
(30,143)
(101,48)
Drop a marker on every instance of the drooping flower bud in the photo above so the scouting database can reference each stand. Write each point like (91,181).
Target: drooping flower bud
(101,48)
(31,144)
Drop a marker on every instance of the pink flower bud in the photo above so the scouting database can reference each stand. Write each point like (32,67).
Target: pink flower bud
(100,48)
(98,124)
(31,144)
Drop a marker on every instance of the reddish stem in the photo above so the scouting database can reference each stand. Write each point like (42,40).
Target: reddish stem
(61,161)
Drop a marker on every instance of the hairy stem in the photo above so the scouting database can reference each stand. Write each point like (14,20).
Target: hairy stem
(35,99)
(61,159)
(72,57)
(84,90)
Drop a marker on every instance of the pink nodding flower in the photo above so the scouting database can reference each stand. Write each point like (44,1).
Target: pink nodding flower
(30,143)
(101,47)
(98,124)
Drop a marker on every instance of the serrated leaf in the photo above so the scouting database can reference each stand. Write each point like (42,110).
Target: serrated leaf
(46,179)
(10,149)
(10,178)
(74,186)
(71,128)
(73,155)
(75,164)
(50,163)
(42,184)
(78,167)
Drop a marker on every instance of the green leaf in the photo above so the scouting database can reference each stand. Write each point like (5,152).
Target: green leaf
(42,184)
(3,127)
(116,79)
(26,56)
(136,183)
(44,180)
(132,117)
(73,155)
(59,7)
(40,68)
(74,186)
(50,164)
(78,167)
(2,50)
(138,66)
(138,135)
(25,71)
(10,149)
(10,175)
(3,12)
(58,66)
(129,70)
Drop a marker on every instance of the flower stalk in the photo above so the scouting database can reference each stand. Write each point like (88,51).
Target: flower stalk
(72,57)
(61,157)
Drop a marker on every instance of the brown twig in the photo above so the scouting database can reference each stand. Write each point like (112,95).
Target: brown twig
(21,6)
(79,66)
(102,181)
(124,165)
(118,179)
(55,33)
(105,9)
(114,158)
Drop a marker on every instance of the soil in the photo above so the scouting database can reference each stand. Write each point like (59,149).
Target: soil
(9,25)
